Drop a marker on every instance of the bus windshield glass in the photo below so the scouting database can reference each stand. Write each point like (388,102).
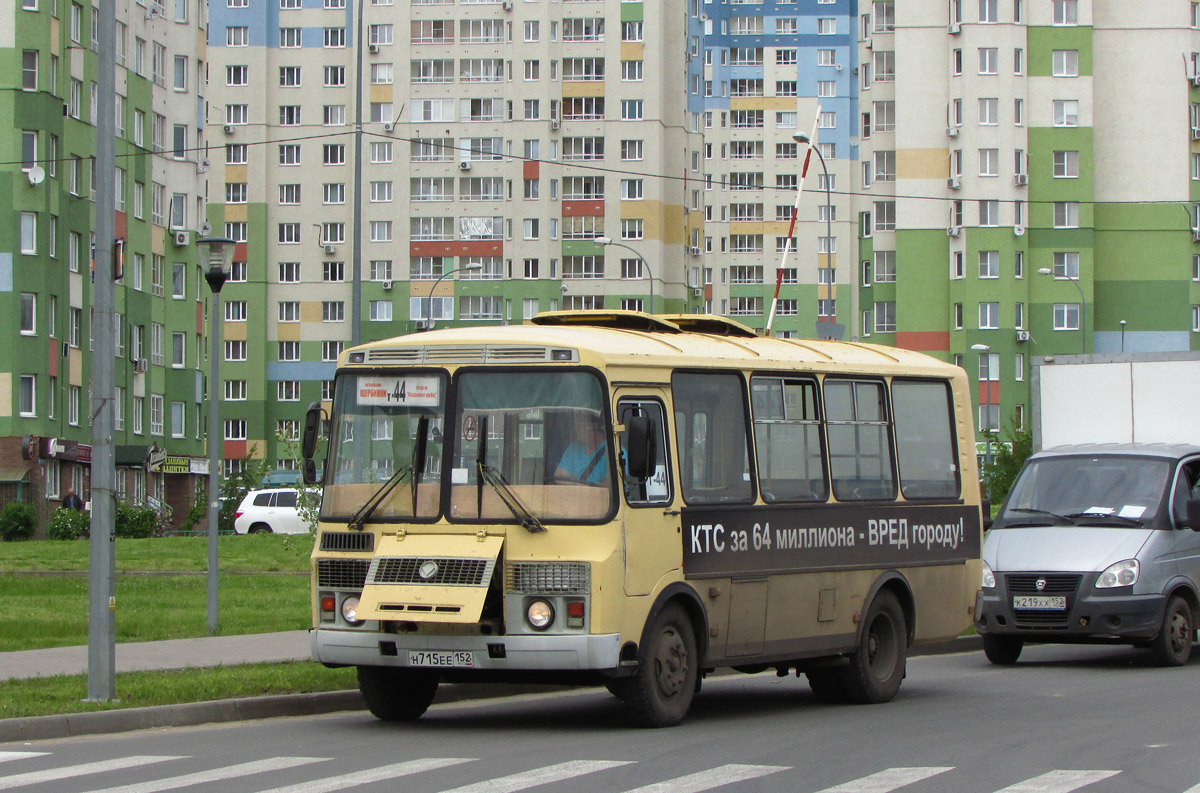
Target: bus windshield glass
(373,439)
(542,438)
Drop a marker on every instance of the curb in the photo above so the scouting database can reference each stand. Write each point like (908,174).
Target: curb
(69,725)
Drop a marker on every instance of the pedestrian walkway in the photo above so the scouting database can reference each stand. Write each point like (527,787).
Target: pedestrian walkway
(258,648)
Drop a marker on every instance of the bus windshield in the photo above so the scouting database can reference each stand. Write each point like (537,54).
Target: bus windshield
(543,436)
(373,439)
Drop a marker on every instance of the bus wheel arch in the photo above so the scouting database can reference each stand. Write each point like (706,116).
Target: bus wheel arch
(878,663)
(689,601)
(898,585)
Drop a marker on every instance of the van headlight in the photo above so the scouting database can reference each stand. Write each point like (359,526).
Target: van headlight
(988,579)
(1120,574)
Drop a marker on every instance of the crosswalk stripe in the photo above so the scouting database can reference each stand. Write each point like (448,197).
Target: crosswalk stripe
(707,780)
(214,775)
(888,780)
(6,756)
(539,776)
(1058,782)
(343,781)
(54,774)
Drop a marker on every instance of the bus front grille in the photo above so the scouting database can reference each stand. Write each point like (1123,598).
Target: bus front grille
(342,573)
(431,571)
(347,541)
(566,578)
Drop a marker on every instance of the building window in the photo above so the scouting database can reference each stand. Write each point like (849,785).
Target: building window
(1066,12)
(989,264)
(884,313)
(1066,264)
(1066,214)
(988,60)
(1066,113)
(1066,316)
(989,316)
(1066,165)
(1064,63)
(989,213)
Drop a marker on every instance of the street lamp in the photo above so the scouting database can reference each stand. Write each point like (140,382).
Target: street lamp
(606,241)
(432,289)
(802,137)
(983,350)
(220,257)
(1082,304)
(1122,335)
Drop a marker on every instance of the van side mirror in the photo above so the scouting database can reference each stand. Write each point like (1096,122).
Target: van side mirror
(985,506)
(1192,513)
(641,448)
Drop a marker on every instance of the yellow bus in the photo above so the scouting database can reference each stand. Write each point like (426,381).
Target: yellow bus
(616,498)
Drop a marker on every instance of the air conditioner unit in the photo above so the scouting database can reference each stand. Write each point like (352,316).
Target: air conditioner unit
(373,49)
(140,365)
(1023,335)
(182,238)
(508,5)
(554,124)
(1195,234)
(1019,231)
(387,286)
(694,250)
(389,126)
(868,43)
(1195,133)
(330,249)
(697,291)
(1196,79)
(465,165)
(953,231)
(955,28)
(229,129)
(1020,179)
(954,183)
(951,132)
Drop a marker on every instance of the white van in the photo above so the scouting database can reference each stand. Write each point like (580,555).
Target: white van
(270,512)
(1099,544)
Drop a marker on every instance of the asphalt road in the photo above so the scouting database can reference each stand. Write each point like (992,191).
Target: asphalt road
(1095,719)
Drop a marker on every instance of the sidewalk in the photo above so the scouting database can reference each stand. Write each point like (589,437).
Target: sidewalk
(171,654)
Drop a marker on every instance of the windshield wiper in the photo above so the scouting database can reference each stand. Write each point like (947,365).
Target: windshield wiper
(1026,510)
(495,479)
(417,464)
(1124,521)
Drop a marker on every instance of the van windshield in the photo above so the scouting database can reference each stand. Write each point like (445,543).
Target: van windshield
(1109,490)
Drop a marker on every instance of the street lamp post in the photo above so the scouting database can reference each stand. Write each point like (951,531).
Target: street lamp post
(607,241)
(802,137)
(220,256)
(983,350)
(1082,304)
(432,289)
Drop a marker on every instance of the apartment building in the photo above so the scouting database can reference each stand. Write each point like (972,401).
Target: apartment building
(47,268)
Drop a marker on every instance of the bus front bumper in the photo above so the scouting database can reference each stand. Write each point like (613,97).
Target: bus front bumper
(575,653)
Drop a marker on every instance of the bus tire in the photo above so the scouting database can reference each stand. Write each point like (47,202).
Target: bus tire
(397,694)
(1002,650)
(661,691)
(825,685)
(877,665)
(1173,644)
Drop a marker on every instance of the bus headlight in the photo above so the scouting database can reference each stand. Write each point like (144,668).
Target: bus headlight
(989,578)
(539,614)
(1120,574)
(350,610)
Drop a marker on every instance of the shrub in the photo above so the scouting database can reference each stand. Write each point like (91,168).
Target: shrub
(134,522)
(69,524)
(17,521)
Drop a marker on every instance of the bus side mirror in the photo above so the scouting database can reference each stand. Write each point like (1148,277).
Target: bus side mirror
(640,447)
(312,425)
(309,471)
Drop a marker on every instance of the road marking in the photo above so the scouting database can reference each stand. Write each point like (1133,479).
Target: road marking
(344,781)
(54,774)
(539,776)
(888,780)
(6,756)
(707,780)
(1058,782)
(214,775)
(1193,789)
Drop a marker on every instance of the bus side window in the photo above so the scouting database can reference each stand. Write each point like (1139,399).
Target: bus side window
(656,489)
(711,437)
(860,454)
(787,438)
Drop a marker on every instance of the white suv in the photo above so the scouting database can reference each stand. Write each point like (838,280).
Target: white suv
(269,511)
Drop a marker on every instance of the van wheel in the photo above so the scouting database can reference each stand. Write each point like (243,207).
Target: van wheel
(260,528)
(877,665)
(1002,650)
(660,692)
(826,686)
(1173,644)
(397,694)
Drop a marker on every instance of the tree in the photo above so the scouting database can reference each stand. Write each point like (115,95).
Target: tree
(235,487)
(308,503)
(1007,459)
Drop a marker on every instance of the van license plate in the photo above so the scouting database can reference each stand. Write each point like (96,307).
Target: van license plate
(1040,602)
(459,659)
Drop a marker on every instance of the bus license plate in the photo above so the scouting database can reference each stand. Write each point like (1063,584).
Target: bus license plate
(1040,602)
(459,659)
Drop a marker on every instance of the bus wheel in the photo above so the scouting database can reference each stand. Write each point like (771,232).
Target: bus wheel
(1173,644)
(1002,650)
(660,692)
(826,686)
(397,694)
(877,666)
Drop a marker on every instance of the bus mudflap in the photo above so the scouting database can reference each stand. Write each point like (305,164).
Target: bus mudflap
(429,578)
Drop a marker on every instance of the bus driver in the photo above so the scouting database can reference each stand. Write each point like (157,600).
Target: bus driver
(585,460)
